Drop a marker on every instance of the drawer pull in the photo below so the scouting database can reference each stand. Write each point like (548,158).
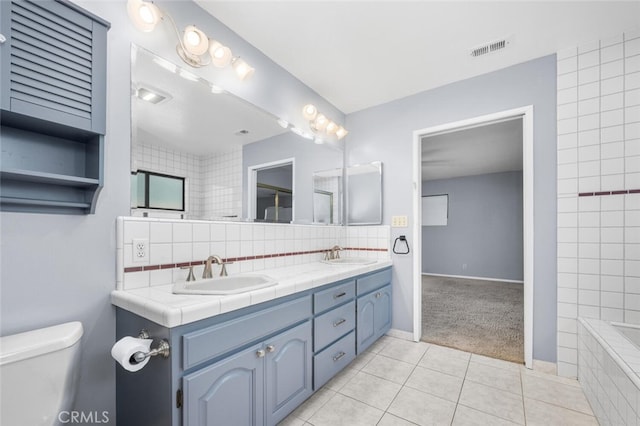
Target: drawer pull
(270,348)
(338,356)
(339,295)
(378,294)
(260,353)
(340,321)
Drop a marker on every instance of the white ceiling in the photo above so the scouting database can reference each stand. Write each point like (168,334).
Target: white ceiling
(357,54)
(491,148)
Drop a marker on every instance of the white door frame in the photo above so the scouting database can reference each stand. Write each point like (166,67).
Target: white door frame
(252,178)
(526,113)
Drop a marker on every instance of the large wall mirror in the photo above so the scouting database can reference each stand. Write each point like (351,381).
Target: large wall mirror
(364,194)
(193,146)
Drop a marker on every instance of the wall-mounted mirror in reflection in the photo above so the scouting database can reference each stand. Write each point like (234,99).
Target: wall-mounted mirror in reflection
(327,196)
(364,194)
(186,127)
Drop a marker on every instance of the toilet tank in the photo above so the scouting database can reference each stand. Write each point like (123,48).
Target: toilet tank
(38,374)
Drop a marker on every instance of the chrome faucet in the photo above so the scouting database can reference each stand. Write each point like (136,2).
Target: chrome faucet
(207,273)
(334,253)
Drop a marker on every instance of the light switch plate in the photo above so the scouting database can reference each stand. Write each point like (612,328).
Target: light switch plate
(398,221)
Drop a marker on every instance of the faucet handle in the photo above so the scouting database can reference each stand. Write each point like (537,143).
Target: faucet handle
(190,275)
(223,270)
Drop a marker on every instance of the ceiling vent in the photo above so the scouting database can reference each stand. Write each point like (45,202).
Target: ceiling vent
(490,47)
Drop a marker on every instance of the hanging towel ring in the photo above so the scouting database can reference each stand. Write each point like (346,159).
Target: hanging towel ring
(402,239)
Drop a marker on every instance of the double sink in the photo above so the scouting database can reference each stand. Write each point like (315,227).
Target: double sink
(242,283)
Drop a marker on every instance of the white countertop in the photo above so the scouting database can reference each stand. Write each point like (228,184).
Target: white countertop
(161,306)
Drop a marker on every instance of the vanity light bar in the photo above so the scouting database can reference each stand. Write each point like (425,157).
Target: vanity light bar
(320,124)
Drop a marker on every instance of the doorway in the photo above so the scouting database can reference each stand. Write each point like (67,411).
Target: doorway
(271,192)
(525,117)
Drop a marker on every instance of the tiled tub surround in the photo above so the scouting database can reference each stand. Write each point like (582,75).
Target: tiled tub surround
(598,154)
(252,247)
(608,368)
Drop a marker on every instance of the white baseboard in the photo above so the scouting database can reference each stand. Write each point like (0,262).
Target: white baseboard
(474,278)
(405,335)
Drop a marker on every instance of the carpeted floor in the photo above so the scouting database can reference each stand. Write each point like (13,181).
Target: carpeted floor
(482,317)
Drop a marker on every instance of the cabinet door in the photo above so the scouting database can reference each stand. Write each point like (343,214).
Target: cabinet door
(229,392)
(288,372)
(374,317)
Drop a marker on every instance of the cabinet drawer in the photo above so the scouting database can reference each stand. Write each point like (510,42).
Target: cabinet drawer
(373,281)
(333,324)
(211,342)
(334,296)
(329,362)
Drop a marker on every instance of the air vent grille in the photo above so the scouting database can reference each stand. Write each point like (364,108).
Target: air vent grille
(490,47)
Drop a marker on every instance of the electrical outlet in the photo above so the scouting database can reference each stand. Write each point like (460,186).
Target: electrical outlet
(140,250)
(398,221)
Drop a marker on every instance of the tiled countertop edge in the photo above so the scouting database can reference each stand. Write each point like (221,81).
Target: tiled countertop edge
(161,306)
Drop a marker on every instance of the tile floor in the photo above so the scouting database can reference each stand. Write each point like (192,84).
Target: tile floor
(397,382)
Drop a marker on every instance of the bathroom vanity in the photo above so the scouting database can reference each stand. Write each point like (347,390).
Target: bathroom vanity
(253,365)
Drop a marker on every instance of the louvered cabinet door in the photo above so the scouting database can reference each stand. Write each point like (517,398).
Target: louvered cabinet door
(53,63)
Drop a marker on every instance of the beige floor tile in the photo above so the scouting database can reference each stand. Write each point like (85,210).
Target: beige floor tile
(342,410)
(564,380)
(505,379)
(390,369)
(371,390)
(292,421)
(339,380)
(391,420)
(499,403)
(435,383)
(466,416)
(404,350)
(439,361)
(553,392)
(361,360)
(543,414)
(444,352)
(421,408)
(495,362)
(379,344)
(313,404)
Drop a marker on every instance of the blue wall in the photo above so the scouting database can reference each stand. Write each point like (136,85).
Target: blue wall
(385,133)
(483,236)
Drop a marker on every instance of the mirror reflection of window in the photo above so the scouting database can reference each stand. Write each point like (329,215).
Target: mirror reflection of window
(327,196)
(157,191)
(364,194)
(322,207)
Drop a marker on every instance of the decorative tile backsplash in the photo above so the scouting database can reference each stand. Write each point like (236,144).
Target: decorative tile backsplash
(598,154)
(251,247)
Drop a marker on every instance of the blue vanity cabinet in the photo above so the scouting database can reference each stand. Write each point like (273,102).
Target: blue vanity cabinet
(257,386)
(52,106)
(373,307)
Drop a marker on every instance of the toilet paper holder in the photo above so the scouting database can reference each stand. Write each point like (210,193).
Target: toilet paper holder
(163,349)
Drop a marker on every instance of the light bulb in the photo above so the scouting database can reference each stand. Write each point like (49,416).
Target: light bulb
(220,54)
(195,41)
(216,89)
(318,140)
(144,15)
(309,112)
(320,123)
(242,69)
(283,123)
(341,132)
(331,127)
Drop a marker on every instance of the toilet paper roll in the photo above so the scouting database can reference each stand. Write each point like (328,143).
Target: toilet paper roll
(124,349)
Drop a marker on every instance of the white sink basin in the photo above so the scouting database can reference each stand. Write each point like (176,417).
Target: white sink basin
(225,285)
(350,261)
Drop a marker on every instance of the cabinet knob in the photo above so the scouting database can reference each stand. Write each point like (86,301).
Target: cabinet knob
(378,294)
(3,39)
(270,348)
(260,353)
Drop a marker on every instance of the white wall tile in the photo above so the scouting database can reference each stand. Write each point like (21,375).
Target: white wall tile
(182,252)
(588,281)
(587,60)
(632,301)
(589,235)
(589,75)
(567,95)
(632,64)
(612,267)
(133,280)
(612,182)
(612,118)
(612,300)
(632,81)
(590,122)
(160,232)
(589,204)
(612,85)
(612,69)
(631,268)
(569,140)
(588,251)
(611,134)
(611,53)
(632,114)
(589,183)
(568,80)
(589,266)
(612,150)
(612,251)
(632,47)
(588,106)
(591,137)
(589,153)
(182,232)
(611,218)
(632,97)
(612,283)
(591,90)
(589,297)
(569,64)
(160,253)
(632,251)
(567,280)
(135,229)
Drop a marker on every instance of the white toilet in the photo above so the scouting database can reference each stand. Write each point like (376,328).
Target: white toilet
(38,372)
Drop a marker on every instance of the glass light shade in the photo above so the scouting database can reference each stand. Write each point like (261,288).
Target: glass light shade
(220,54)
(144,15)
(195,41)
(341,132)
(216,89)
(242,69)
(309,112)
(283,123)
(331,128)
(318,140)
(320,123)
